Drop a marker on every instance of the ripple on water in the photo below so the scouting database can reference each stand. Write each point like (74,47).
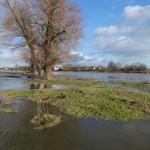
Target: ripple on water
(4,137)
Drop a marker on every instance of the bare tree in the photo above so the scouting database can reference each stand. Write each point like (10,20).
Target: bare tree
(58,23)
(19,21)
(114,67)
(50,28)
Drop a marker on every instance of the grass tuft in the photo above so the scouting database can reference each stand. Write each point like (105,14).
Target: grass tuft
(45,121)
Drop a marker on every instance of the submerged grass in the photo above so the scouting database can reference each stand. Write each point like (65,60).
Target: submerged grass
(91,98)
(76,81)
(7,110)
(133,84)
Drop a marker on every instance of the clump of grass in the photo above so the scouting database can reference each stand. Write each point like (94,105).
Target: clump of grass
(45,121)
(4,105)
(17,93)
(7,100)
(7,110)
(133,84)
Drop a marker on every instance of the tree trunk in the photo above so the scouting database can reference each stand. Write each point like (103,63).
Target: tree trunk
(33,71)
(39,70)
(33,58)
(47,75)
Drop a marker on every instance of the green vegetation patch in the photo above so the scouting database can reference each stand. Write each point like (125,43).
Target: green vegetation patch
(61,80)
(133,84)
(45,121)
(91,98)
(103,103)
(7,110)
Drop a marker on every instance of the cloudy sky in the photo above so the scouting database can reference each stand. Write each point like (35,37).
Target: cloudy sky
(114,30)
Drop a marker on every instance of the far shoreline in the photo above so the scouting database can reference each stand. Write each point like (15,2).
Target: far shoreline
(26,72)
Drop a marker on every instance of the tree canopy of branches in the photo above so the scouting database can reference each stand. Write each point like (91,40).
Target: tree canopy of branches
(50,28)
(113,67)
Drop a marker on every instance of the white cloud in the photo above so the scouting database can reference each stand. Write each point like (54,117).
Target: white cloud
(10,58)
(135,12)
(9,55)
(86,59)
(131,39)
(107,30)
(137,15)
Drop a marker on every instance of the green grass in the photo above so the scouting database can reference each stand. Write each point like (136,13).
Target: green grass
(133,84)
(7,110)
(76,81)
(91,98)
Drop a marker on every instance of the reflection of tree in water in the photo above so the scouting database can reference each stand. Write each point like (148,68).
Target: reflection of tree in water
(42,108)
(39,86)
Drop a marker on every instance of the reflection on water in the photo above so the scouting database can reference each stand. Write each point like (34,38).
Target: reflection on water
(1,98)
(45,86)
(13,83)
(39,86)
(16,133)
(16,82)
(19,82)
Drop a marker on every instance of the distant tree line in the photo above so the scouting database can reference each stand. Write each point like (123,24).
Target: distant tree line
(136,67)
(111,67)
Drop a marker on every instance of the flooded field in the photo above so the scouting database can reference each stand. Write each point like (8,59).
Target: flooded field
(127,77)
(18,82)
(16,132)
(74,134)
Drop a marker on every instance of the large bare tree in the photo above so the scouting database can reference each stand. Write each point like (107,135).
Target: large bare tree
(19,21)
(50,29)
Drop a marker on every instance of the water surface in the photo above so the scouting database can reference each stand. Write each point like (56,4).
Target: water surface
(127,77)
(19,82)
(16,133)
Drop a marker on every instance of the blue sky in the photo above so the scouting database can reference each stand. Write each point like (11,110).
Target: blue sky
(103,14)
(114,30)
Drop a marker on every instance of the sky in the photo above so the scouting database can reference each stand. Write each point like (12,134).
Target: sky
(114,30)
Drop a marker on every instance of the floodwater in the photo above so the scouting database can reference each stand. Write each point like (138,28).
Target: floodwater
(18,82)
(109,77)
(16,132)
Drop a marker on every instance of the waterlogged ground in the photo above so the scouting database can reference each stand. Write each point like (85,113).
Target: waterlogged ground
(73,133)
(18,82)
